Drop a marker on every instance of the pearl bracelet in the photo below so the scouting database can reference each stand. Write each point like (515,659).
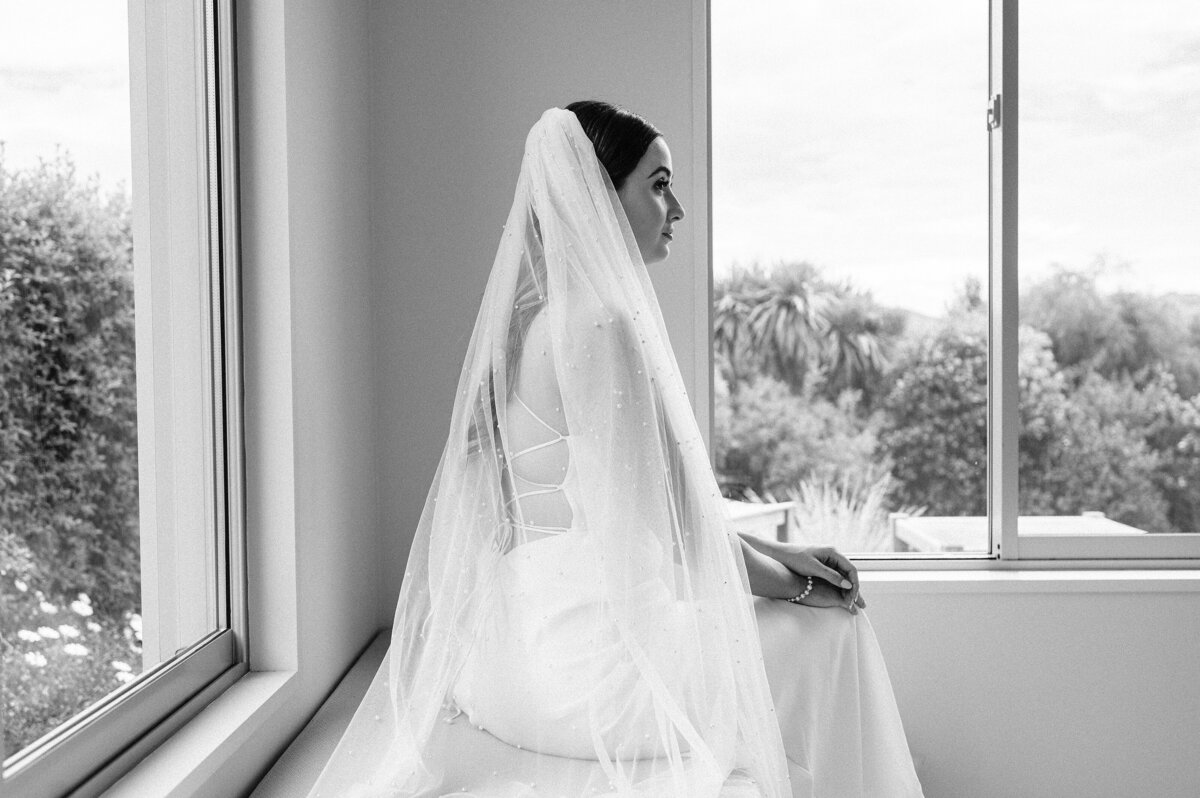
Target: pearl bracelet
(802,596)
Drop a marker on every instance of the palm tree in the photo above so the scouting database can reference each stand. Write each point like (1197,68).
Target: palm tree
(730,311)
(786,321)
(854,355)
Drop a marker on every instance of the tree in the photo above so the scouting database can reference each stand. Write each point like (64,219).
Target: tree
(1070,459)
(857,345)
(769,439)
(1120,335)
(68,431)
(1167,425)
(935,427)
(795,326)
(786,320)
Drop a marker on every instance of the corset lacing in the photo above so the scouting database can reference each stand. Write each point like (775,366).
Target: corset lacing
(540,488)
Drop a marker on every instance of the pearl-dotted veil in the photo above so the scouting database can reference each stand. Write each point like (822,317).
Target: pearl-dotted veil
(664,596)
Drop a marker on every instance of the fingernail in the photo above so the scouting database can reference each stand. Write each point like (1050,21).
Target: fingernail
(846,584)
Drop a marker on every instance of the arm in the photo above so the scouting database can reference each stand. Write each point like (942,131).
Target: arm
(780,570)
(769,578)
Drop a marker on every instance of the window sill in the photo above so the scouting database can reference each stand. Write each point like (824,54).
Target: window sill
(297,769)
(1030,580)
(186,762)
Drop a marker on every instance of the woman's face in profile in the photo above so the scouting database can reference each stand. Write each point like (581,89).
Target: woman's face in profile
(649,201)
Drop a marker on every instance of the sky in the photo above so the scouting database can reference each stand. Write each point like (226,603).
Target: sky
(64,80)
(851,135)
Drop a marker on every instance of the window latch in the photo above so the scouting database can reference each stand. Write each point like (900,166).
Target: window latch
(993,114)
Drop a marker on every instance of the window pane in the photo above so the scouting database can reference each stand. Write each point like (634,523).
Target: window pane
(1110,267)
(97,584)
(850,256)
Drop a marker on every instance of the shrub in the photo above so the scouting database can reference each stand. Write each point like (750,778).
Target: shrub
(850,514)
(68,430)
(769,439)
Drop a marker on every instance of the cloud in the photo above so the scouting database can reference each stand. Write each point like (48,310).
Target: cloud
(854,137)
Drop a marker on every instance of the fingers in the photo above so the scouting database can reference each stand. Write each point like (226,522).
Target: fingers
(836,579)
(842,572)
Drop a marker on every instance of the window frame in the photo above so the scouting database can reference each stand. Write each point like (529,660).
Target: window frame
(92,750)
(1007,549)
(1008,543)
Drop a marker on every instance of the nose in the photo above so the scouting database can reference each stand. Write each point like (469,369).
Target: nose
(675,213)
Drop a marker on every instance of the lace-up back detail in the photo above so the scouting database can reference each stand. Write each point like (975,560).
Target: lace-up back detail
(539,471)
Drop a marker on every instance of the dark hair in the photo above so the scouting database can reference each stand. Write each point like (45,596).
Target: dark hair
(620,137)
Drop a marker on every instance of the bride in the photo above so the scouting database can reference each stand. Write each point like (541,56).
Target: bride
(575,618)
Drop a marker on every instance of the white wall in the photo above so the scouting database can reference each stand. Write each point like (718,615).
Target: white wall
(310,400)
(455,87)
(1045,685)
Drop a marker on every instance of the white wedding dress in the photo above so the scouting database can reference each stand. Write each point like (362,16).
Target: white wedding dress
(575,618)
(532,681)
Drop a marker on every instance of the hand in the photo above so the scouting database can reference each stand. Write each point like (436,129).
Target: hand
(835,579)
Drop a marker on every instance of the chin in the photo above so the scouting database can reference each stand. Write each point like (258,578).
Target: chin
(658,254)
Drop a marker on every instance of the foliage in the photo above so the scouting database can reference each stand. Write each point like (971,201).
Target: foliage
(769,439)
(68,447)
(1164,423)
(791,324)
(1123,335)
(1071,459)
(58,657)
(820,391)
(850,514)
(936,423)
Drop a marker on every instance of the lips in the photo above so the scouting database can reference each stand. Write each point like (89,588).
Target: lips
(667,235)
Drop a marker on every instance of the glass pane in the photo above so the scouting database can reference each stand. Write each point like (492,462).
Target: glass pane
(850,256)
(1110,267)
(84,408)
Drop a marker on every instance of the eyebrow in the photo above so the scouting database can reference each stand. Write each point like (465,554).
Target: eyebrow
(662,169)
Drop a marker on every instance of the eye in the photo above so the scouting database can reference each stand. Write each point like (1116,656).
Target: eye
(661,184)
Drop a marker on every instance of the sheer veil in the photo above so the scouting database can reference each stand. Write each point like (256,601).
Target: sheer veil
(655,586)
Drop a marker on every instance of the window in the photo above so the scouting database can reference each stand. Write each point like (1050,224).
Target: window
(899,372)
(120,451)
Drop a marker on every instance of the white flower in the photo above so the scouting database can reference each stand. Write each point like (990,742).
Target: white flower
(75,650)
(121,666)
(29,637)
(135,623)
(124,677)
(83,597)
(35,658)
(93,626)
(20,585)
(48,633)
(67,630)
(48,608)
(82,608)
